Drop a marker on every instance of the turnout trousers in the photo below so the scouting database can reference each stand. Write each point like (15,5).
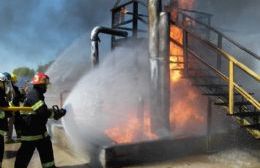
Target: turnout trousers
(43,146)
(2,145)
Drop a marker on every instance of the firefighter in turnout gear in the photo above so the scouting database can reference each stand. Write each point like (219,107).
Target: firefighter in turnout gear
(34,132)
(15,99)
(3,115)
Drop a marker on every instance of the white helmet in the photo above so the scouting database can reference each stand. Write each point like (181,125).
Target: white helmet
(6,86)
(3,78)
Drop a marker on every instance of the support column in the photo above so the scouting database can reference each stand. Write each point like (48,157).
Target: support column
(158,68)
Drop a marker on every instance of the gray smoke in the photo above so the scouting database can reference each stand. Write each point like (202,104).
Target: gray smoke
(106,97)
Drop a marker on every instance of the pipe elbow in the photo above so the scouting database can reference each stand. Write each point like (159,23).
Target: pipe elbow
(94,33)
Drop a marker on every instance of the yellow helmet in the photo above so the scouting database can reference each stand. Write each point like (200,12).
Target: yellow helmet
(13,77)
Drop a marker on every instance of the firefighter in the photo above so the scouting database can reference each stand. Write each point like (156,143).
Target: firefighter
(34,132)
(3,115)
(10,96)
(17,99)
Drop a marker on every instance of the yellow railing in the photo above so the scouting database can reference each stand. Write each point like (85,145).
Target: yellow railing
(232,85)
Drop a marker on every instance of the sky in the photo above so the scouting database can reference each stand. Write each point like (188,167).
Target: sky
(34,32)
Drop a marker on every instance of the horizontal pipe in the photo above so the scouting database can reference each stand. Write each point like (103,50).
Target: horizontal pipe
(106,30)
(95,39)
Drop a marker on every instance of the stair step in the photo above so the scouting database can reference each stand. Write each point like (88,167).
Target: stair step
(176,62)
(177,69)
(236,103)
(211,85)
(245,114)
(253,126)
(209,77)
(222,94)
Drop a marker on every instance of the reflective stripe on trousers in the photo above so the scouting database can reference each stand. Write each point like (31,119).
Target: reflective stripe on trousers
(2,115)
(48,164)
(2,132)
(34,137)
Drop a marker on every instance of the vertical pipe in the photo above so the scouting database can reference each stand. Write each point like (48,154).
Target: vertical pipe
(94,52)
(209,119)
(164,74)
(135,18)
(153,19)
(231,87)
(158,118)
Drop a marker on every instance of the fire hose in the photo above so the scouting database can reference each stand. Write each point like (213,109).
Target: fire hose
(23,108)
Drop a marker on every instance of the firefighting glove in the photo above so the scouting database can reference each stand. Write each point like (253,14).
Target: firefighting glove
(58,113)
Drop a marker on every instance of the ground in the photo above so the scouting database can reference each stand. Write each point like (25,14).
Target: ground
(65,157)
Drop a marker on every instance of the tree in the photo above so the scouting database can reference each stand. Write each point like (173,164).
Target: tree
(23,72)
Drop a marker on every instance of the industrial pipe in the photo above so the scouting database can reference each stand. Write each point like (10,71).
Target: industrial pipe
(159,68)
(95,39)
(164,69)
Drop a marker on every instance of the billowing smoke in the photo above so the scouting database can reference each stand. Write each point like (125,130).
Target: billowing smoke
(106,97)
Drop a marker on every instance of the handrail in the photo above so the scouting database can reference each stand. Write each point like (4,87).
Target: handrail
(232,84)
(230,79)
(223,35)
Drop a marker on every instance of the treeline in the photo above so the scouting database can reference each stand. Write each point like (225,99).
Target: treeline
(28,72)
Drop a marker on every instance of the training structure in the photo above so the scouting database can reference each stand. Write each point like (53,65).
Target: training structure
(204,60)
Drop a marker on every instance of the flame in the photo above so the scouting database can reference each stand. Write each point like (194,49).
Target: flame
(132,130)
(123,10)
(176,54)
(186,4)
(185,107)
(186,110)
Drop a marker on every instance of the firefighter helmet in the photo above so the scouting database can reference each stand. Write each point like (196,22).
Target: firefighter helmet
(8,76)
(3,80)
(40,78)
(13,77)
(3,77)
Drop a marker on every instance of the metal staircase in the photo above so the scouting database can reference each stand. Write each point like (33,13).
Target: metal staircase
(214,63)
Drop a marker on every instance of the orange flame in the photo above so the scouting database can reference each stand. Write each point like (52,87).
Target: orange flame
(132,130)
(176,54)
(186,4)
(185,108)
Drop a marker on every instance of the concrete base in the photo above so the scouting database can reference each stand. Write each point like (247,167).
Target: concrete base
(171,149)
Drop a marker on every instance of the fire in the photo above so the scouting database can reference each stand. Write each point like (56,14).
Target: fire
(186,4)
(176,54)
(187,107)
(132,130)
(187,103)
